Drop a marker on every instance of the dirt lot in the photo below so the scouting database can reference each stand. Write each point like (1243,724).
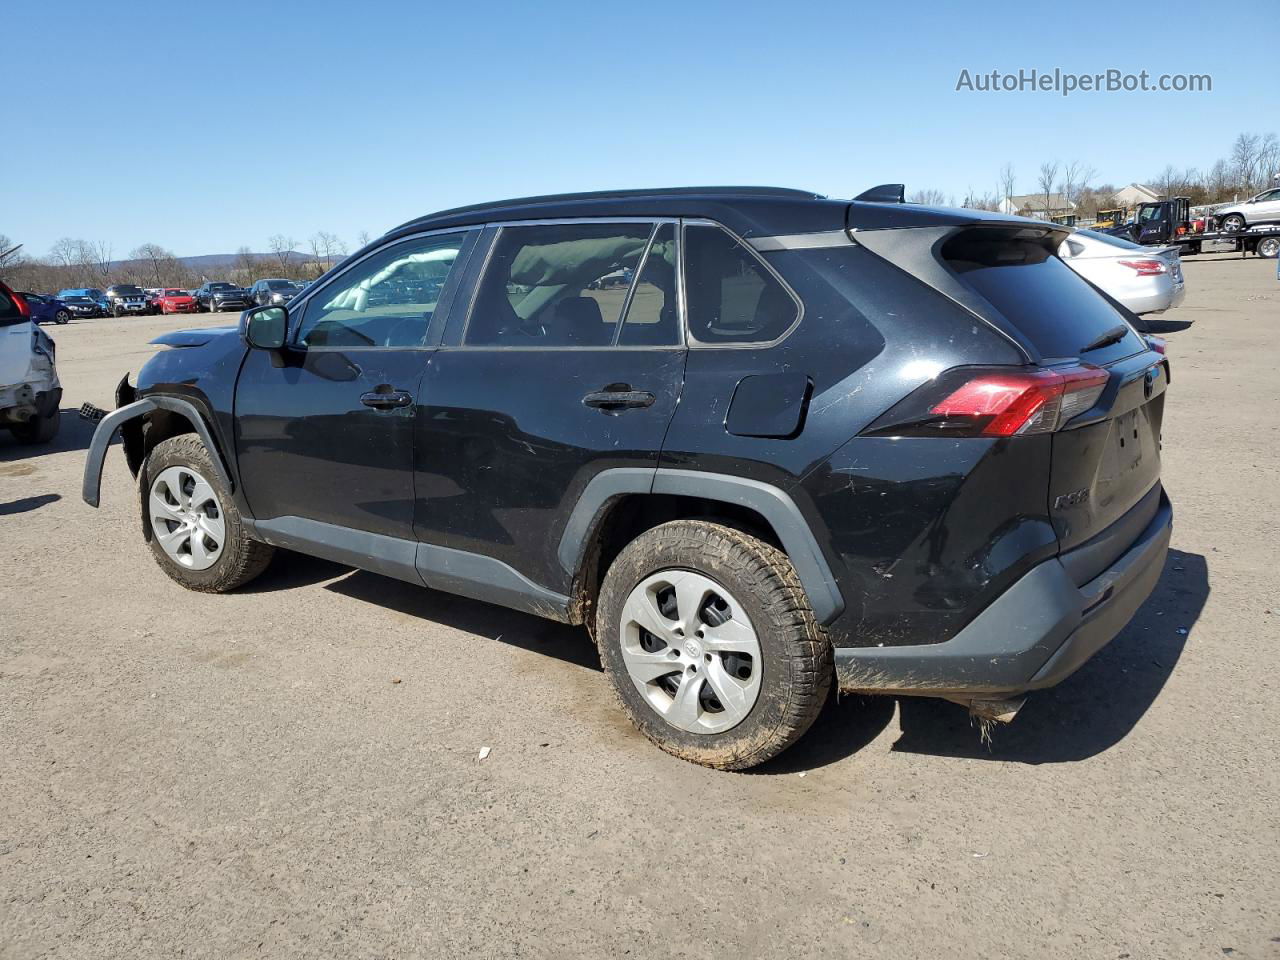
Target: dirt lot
(233,776)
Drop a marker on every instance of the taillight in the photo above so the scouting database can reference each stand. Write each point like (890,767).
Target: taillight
(20,302)
(1158,344)
(994,402)
(1146,268)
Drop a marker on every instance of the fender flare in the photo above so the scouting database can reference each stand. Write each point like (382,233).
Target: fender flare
(777,508)
(91,486)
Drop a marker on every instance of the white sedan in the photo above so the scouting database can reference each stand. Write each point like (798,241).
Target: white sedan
(1144,279)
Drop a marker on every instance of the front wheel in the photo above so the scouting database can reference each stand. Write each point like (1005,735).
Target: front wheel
(191,521)
(61,317)
(116,312)
(1269,247)
(710,645)
(1233,223)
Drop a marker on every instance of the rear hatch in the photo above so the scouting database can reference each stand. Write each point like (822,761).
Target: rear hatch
(1090,381)
(15,341)
(1105,468)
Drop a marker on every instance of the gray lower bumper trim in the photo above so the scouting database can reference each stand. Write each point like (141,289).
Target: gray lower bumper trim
(1034,635)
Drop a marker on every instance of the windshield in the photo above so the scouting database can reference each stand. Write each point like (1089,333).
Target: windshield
(1153,212)
(127,290)
(222,286)
(278,285)
(175,293)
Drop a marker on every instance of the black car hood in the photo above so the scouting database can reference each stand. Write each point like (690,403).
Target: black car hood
(194,338)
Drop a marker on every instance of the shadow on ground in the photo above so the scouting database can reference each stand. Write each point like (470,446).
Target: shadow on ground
(27,504)
(73,434)
(1088,713)
(1085,715)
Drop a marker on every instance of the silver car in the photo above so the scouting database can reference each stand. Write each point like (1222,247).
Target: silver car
(1264,208)
(1144,279)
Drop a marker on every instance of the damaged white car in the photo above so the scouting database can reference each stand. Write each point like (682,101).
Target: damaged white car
(30,393)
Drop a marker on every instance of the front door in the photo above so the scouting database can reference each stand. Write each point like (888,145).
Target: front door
(571,362)
(325,430)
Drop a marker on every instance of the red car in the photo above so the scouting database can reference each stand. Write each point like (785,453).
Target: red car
(175,301)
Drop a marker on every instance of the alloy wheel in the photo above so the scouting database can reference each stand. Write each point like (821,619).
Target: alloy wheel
(186,518)
(691,651)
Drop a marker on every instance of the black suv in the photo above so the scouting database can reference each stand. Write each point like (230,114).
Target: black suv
(901,449)
(216,297)
(123,298)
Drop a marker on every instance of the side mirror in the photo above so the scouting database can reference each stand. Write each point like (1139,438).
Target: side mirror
(265,328)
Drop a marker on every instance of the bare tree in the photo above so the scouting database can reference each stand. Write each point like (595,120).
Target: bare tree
(362,239)
(1007,182)
(1075,178)
(325,246)
(159,262)
(100,251)
(282,249)
(930,198)
(1245,157)
(10,253)
(1047,179)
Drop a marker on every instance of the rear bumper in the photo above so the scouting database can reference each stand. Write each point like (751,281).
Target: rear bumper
(1035,635)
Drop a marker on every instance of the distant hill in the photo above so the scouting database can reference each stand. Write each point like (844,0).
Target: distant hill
(214,262)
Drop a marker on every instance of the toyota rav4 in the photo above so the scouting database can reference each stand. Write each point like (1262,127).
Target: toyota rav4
(802,442)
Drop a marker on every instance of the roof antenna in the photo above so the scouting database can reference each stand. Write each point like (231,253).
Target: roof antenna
(885,193)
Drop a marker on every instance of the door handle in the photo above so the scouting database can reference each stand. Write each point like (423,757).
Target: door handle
(619,398)
(385,398)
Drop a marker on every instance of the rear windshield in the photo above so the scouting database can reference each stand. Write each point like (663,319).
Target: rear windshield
(1048,302)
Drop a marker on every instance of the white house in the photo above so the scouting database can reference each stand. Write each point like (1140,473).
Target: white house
(1134,194)
(1033,205)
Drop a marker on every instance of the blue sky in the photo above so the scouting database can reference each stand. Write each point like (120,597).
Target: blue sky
(204,127)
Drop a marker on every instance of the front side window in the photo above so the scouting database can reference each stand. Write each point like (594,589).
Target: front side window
(567,285)
(386,300)
(732,296)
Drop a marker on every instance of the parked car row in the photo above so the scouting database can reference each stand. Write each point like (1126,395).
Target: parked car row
(124,299)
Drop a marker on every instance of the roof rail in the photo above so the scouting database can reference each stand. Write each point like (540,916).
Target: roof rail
(621,195)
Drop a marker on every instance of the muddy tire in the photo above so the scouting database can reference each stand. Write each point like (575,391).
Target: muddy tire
(37,429)
(710,645)
(192,523)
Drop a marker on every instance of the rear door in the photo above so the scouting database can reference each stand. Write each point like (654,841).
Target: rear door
(570,361)
(1106,460)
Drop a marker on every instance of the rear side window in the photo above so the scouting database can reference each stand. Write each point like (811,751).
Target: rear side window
(1048,302)
(567,285)
(732,296)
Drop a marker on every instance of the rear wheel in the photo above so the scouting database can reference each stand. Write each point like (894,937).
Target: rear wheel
(1269,247)
(710,645)
(1233,223)
(194,527)
(38,429)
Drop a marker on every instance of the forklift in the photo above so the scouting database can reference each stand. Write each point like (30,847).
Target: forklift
(1105,219)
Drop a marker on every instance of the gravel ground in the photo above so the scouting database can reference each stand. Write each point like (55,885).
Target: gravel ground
(293,770)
